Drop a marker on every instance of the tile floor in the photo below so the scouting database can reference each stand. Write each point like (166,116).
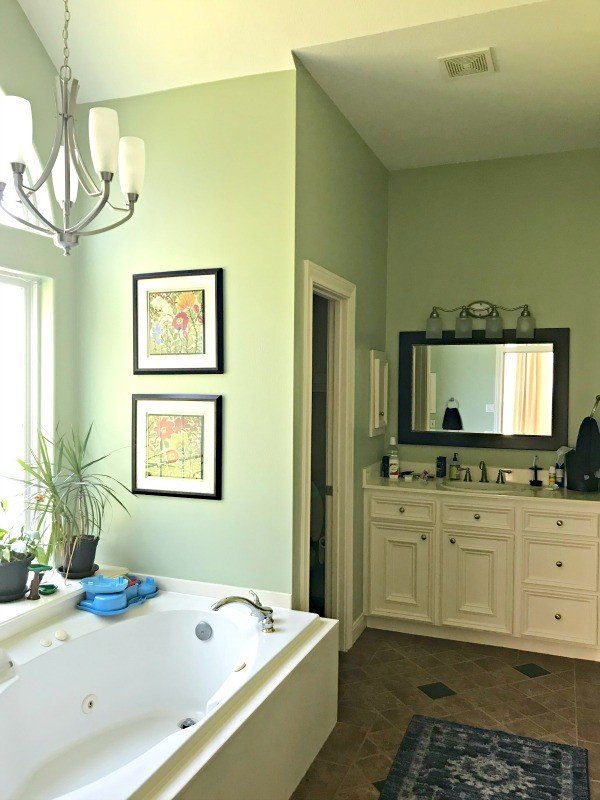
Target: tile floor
(378,695)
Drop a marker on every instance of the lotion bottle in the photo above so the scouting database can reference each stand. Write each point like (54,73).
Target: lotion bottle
(454,468)
(394,459)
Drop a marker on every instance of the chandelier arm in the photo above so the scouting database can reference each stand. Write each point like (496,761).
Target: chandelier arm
(507,308)
(117,208)
(93,213)
(128,216)
(89,184)
(27,202)
(24,221)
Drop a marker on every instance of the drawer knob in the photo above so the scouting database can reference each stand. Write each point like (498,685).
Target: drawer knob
(558,616)
(559,563)
(559,522)
(476,516)
(423,536)
(452,540)
(401,509)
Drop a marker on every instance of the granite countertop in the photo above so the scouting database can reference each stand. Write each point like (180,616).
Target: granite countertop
(371,480)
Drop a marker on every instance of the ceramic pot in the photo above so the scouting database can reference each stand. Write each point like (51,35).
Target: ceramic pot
(13,579)
(79,557)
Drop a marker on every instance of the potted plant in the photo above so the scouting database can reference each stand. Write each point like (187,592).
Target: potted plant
(69,499)
(16,554)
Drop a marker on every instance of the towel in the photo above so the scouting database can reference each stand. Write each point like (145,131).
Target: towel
(583,462)
(452,420)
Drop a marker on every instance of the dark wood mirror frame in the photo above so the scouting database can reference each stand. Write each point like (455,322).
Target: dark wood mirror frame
(559,337)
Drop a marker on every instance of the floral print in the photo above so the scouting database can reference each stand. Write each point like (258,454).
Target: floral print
(175,446)
(176,323)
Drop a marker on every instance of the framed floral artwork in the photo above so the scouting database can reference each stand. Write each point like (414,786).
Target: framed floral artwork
(177,445)
(178,322)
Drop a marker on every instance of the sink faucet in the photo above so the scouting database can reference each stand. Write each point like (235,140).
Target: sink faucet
(502,473)
(484,475)
(467,471)
(264,613)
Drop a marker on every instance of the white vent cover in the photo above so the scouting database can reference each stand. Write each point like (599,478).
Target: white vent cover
(461,64)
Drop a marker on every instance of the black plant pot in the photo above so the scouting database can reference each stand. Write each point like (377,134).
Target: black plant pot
(79,557)
(13,579)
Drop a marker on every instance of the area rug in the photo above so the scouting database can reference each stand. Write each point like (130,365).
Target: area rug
(441,760)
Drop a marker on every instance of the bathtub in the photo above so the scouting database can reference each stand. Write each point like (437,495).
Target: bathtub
(98,716)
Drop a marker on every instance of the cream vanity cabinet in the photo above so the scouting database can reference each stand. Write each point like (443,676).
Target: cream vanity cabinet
(477,566)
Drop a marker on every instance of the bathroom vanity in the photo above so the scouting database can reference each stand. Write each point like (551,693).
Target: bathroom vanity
(500,565)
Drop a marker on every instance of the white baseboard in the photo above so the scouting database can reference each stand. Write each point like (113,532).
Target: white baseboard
(358,627)
(218,590)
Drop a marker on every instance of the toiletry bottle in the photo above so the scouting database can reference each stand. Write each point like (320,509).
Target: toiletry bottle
(560,475)
(440,467)
(552,476)
(455,468)
(394,459)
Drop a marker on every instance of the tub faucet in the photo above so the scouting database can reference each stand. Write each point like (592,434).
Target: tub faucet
(484,475)
(264,613)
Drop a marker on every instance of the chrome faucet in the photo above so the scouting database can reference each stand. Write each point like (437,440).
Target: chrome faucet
(467,471)
(484,476)
(264,613)
(502,473)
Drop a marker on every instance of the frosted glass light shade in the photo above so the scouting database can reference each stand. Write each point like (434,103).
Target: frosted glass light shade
(433,329)
(464,326)
(17,129)
(58,179)
(525,325)
(132,164)
(104,139)
(494,327)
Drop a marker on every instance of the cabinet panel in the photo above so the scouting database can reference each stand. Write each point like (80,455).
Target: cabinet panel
(567,618)
(476,515)
(562,563)
(477,580)
(403,508)
(401,584)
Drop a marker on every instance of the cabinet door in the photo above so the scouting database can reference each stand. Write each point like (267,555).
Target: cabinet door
(477,580)
(401,584)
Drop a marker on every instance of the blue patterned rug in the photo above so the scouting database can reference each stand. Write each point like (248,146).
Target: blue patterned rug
(441,760)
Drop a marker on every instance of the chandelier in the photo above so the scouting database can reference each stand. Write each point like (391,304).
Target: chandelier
(65,166)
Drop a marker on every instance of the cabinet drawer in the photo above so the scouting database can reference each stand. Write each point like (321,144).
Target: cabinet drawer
(559,522)
(562,563)
(501,518)
(559,616)
(407,509)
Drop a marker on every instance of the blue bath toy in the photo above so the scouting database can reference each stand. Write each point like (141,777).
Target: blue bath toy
(108,597)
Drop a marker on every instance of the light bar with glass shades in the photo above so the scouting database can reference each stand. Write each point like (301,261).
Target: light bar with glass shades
(480,309)
(65,166)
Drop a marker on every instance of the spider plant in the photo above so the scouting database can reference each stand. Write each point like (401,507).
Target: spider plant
(69,494)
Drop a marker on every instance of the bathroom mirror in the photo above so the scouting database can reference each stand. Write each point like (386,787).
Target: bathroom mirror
(504,393)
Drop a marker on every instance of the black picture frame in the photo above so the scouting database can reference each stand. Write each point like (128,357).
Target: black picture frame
(217,493)
(219,366)
(560,339)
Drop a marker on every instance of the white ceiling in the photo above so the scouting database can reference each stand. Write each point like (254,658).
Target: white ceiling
(545,96)
(128,47)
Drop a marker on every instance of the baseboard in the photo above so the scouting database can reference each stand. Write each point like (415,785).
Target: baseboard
(358,627)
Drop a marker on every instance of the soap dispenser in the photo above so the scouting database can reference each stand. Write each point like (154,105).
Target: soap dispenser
(454,468)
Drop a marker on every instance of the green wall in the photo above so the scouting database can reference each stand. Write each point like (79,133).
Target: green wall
(515,230)
(341,225)
(26,70)
(219,192)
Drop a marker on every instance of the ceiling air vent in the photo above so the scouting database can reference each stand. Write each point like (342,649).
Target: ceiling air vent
(475,63)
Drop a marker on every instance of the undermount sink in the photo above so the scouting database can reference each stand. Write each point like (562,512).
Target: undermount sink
(493,488)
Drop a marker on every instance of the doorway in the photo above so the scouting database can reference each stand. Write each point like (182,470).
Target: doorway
(327,456)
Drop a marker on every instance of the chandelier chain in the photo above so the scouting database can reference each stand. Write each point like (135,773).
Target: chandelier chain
(65,70)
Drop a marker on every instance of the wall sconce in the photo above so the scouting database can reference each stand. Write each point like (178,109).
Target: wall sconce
(481,309)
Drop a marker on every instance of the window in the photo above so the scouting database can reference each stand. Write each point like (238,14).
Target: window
(19,397)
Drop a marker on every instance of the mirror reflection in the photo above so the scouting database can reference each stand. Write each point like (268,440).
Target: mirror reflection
(483,388)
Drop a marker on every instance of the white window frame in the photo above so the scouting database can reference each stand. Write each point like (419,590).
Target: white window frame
(33,324)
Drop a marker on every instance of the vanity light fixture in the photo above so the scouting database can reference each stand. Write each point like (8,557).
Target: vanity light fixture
(65,165)
(480,309)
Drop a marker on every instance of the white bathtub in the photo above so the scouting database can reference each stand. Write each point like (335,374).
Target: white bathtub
(96,717)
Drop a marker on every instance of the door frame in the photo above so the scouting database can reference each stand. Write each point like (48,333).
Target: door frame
(342,294)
